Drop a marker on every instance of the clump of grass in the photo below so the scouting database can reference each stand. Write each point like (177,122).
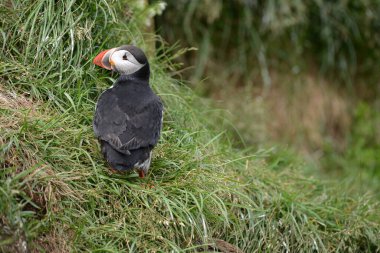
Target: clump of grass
(56,192)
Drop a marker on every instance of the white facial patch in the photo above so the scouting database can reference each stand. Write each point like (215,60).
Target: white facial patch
(124,62)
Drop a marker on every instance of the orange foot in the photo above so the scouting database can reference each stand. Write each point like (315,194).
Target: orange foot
(149,186)
(114,171)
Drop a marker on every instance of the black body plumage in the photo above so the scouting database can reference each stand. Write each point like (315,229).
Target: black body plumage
(128,121)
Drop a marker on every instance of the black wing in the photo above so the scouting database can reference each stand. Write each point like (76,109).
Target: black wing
(131,128)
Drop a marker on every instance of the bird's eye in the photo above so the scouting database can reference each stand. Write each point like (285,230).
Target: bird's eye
(125,57)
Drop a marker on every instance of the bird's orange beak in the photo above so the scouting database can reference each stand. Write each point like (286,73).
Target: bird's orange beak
(103,59)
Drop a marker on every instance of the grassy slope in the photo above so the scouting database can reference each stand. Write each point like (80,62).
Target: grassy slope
(55,190)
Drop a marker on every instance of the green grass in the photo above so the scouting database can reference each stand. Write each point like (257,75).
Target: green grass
(338,38)
(56,192)
(360,159)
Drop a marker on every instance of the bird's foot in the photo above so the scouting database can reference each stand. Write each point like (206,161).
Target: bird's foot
(113,171)
(149,186)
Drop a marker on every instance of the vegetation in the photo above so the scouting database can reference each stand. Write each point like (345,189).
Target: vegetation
(361,157)
(56,193)
(340,37)
(305,72)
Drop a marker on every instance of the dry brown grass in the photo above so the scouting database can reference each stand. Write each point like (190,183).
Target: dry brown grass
(308,114)
(55,241)
(304,111)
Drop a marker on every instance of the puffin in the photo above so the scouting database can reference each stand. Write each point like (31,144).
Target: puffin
(128,115)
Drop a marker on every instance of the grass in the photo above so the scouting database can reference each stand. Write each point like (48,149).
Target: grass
(301,71)
(57,194)
(337,37)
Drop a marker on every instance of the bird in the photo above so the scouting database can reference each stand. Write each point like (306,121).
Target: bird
(128,115)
